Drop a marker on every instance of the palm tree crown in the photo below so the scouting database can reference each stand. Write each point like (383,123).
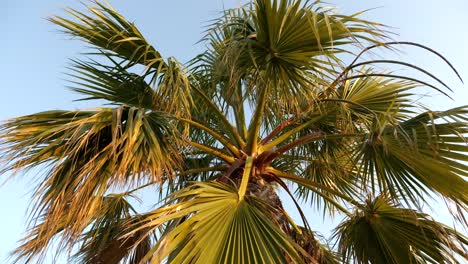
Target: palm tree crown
(273,103)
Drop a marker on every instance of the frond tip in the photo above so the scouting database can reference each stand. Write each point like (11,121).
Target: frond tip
(105,28)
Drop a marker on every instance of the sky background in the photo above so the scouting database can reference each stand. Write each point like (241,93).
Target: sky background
(35,54)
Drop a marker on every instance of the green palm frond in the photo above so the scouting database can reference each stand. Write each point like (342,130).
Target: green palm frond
(297,45)
(121,42)
(333,170)
(290,43)
(243,231)
(113,84)
(383,233)
(409,158)
(106,29)
(378,95)
(297,34)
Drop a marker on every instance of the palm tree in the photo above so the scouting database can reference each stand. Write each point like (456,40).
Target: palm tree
(274,103)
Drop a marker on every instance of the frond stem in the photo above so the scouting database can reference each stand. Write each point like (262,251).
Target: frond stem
(222,117)
(350,66)
(212,151)
(314,186)
(277,130)
(245,177)
(285,136)
(224,141)
(254,127)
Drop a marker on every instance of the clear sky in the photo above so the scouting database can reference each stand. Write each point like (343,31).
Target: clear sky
(34,57)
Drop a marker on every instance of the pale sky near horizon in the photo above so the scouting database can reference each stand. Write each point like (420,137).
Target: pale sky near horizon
(35,55)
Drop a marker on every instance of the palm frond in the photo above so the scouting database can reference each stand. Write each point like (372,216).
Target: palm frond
(298,44)
(411,157)
(100,242)
(93,136)
(106,29)
(103,243)
(88,153)
(124,46)
(378,95)
(308,241)
(217,227)
(333,170)
(383,233)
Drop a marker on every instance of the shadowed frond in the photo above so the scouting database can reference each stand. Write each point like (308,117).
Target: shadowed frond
(333,170)
(309,242)
(297,44)
(103,243)
(112,83)
(104,225)
(383,233)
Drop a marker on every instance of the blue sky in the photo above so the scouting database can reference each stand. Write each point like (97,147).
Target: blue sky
(34,57)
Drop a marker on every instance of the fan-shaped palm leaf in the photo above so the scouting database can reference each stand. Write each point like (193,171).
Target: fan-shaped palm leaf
(243,231)
(383,233)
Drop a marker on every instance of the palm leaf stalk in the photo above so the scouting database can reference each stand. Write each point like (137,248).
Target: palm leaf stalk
(349,139)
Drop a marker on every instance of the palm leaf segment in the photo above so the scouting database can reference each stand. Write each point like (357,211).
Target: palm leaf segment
(336,132)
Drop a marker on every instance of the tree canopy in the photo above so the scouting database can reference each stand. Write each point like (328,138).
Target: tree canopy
(285,97)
